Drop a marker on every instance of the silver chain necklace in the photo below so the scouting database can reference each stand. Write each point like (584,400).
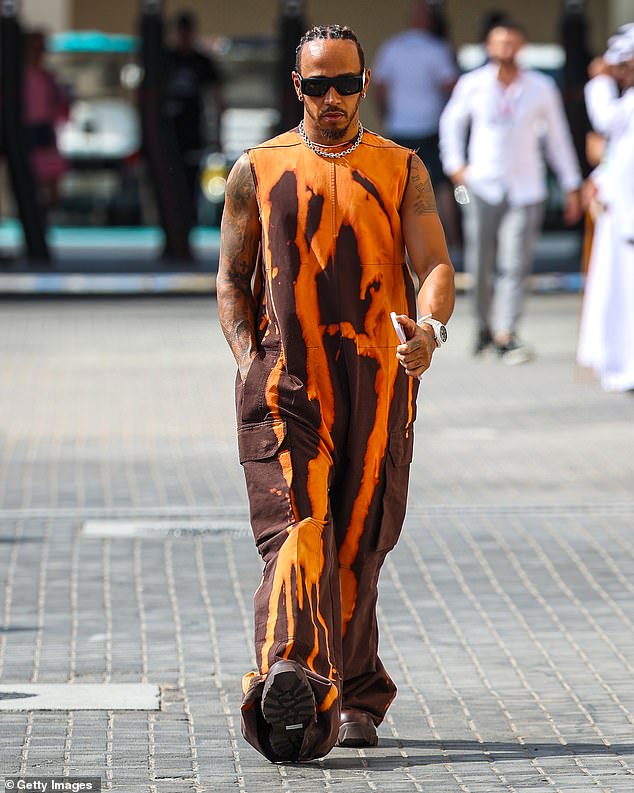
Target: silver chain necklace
(322,153)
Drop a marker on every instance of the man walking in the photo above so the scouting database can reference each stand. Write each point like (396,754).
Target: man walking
(313,260)
(512,113)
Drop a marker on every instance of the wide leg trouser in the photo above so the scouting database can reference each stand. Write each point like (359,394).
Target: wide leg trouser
(316,603)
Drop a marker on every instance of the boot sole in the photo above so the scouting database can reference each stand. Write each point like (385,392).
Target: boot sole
(288,706)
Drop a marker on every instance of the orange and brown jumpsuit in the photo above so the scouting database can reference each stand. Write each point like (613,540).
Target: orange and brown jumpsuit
(325,420)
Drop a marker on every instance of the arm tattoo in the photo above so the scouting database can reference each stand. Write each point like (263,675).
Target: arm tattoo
(424,201)
(240,187)
(240,239)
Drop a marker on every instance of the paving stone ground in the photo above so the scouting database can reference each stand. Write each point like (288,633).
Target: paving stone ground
(506,611)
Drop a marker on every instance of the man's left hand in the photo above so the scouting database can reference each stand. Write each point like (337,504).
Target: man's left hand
(415,356)
(572,207)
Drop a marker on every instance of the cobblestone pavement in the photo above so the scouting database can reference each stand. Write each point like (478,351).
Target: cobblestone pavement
(506,611)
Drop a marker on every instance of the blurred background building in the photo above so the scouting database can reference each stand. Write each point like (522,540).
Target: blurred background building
(373,22)
(106,55)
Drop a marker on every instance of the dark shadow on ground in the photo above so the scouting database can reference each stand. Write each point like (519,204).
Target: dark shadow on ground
(431,753)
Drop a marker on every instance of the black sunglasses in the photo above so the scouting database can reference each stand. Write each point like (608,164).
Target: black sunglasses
(346,86)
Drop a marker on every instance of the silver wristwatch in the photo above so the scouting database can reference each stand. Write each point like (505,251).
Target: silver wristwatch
(440,331)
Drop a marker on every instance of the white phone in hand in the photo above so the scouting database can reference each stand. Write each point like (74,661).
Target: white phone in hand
(398,328)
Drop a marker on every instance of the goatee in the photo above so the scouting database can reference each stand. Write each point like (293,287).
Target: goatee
(333,134)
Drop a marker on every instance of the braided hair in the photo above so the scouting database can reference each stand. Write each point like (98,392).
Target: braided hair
(328,32)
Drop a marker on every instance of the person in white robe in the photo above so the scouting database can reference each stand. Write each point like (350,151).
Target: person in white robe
(606,338)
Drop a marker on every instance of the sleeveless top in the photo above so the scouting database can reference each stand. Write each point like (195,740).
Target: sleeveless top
(332,266)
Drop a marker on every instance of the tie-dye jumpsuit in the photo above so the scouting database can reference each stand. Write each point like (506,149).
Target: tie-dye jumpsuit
(325,420)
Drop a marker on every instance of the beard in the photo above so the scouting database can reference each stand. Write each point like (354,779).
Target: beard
(334,134)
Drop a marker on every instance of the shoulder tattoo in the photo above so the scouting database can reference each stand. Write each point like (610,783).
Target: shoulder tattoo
(240,187)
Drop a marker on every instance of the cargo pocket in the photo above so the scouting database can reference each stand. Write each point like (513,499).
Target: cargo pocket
(251,395)
(399,457)
(401,447)
(260,440)
(260,446)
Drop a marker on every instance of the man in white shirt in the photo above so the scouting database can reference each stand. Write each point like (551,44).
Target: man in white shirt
(412,78)
(513,115)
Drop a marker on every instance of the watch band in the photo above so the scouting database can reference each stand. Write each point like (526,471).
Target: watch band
(440,331)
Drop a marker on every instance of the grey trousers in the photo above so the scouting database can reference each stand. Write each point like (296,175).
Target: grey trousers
(499,245)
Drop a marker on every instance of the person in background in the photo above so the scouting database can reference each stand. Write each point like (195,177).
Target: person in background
(45,106)
(189,75)
(412,77)
(606,334)
(512,115)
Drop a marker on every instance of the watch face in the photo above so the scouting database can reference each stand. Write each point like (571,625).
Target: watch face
(442,332)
